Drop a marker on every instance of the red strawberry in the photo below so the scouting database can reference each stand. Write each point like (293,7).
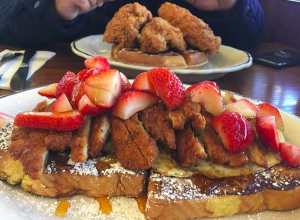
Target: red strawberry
(87,107)
(103,88)
(168,87)
(66,85)
(131,102)
(98,62)
(77,93)
(290,153)
(4,118)
(208,95)
(49,91)
(213,84)
(143,83)
(66,121)
(126,85)
(234,130)
(266,129)
(62,104)
(266,109)
(244,107)
(81,74)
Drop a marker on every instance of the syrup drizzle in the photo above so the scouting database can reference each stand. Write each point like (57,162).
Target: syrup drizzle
(105,206)
(62,208)
(141,201)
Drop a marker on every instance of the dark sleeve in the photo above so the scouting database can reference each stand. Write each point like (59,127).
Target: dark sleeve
(241,26)
(29,23)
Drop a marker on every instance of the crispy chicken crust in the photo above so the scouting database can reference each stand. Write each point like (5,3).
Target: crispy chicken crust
(158,35)
(195,31)
(125,25)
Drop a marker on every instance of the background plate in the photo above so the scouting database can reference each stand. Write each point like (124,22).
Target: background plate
(227,60)
(17,204)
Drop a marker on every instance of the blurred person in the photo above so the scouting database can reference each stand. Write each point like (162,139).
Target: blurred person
(28,23)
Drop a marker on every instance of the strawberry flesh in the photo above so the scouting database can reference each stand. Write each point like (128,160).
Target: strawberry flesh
(266,109)
(244,107)
(66,85)
(82,74)
(290,153)
(266,129)
(87,107)
(126,85)
(98,62)
(143,83)
(62,104)
(131,102)
(77,93)
(234,130)
(52,121)
(100,97)
(49,91)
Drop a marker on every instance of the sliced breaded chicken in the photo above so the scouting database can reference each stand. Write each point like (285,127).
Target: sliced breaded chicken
(80,141)
(100,130)
(157,123)
(188,148)
(135,149)
(256,156)
(58,140)
(238,160)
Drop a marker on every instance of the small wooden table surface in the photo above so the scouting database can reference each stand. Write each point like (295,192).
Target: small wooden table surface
(280,87)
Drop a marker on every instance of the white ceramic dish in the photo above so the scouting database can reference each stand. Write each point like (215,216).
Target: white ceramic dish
(227,60)
(17,204)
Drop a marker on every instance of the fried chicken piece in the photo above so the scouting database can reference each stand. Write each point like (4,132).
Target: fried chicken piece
(100,130)
(188,148)
(256,156)
(58,140)
(238,160)
(158,35)
(157,123)
(18,141)
(80,141)
(195,31)
(125,25)
(135,149)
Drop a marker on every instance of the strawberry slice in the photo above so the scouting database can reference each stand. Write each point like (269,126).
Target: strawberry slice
(266,109)
(103,88)
(66,121)
(290,153)
(62,104)
(126,85)
(168,87)
(244,107)
(131,102)
(81,74)
(87,107)
(98,62)
(234,130)
(266,129)
(77,94)
(4,118)
(66,85)
(49,91)
(213,84)
(143,83)
(208,95)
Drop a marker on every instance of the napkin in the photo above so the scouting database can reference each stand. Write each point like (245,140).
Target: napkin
(9,68)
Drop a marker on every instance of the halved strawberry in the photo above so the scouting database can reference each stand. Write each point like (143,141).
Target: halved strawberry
(266,129)
(143,83)
(126,85)
(103,88)
(66,84)
(266,109)
(213,84)
(4,118)
(66,121)
(207,95)
(234,130)
(77,94)
(98,62)
(49,91)
(168,87)
(62,104)
(132,102)
(81,74)
(290,153)
(244,107)
(87,107)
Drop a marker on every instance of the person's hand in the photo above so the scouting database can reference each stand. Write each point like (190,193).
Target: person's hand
(70,9)
(212,5)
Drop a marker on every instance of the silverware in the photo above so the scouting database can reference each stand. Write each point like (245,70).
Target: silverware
(8,56)
(19,78)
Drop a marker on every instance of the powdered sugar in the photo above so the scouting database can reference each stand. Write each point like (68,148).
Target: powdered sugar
(5,135)
(84,168)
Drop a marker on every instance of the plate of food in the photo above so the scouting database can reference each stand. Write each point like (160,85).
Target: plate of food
(143,42)
(107,148)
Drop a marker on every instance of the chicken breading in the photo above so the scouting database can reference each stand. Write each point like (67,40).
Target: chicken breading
(195,31)
(124,27)
(158,35)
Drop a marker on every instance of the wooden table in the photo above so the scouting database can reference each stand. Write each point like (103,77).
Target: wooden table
(280,87)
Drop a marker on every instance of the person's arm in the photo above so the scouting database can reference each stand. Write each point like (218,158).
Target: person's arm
(240,25)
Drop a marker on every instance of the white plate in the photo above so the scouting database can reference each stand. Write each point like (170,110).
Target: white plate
(17,204)
(227,60)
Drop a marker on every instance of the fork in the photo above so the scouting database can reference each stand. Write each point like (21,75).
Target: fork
(6,57)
